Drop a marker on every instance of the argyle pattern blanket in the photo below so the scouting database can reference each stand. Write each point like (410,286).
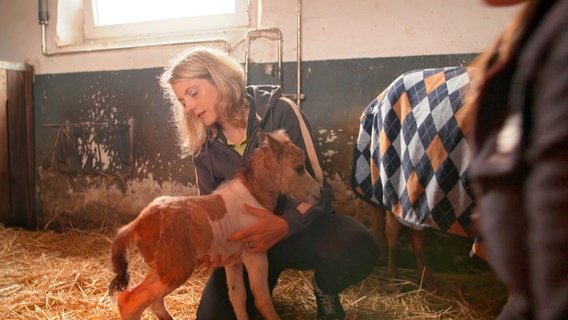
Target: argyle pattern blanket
(411,155)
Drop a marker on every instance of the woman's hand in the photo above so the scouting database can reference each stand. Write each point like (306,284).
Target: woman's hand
(265,233)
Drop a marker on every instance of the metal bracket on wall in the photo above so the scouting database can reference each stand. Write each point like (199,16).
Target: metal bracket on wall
(268,33)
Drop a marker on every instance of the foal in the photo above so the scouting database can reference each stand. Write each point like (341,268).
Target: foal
(178,234)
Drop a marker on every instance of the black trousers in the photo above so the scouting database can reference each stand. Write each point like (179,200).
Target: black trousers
(339,248)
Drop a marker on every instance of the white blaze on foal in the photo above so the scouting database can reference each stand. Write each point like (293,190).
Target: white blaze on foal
(178,234)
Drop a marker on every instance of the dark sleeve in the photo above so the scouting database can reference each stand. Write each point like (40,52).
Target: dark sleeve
(214,165)
(203,175)
(299,215)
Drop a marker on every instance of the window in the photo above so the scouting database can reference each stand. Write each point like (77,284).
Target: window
(150,18)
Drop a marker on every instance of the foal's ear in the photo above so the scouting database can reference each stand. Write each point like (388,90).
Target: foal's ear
(267,141)
(263,140)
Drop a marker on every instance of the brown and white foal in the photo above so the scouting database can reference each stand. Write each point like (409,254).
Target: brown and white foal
(178,234)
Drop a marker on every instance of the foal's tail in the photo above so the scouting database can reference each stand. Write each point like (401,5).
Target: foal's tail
(119,249)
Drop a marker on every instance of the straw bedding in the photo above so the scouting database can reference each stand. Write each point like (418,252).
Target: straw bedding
(47,275)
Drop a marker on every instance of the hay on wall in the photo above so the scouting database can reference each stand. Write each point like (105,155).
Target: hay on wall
(47,275)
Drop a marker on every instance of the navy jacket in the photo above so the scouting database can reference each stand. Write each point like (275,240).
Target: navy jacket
(268,111)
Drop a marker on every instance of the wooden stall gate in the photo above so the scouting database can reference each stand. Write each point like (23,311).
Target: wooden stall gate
(16,145)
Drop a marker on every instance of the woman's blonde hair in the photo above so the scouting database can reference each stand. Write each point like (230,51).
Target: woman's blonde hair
(224,73)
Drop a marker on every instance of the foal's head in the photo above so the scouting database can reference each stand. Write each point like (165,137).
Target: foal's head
(278,166)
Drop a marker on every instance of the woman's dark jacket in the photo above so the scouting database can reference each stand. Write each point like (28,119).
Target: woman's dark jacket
(268,111)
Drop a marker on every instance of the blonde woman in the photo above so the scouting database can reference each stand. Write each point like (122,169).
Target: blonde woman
(520,166)
(218,118)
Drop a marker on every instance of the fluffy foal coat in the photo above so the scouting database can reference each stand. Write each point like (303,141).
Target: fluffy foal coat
(176,235)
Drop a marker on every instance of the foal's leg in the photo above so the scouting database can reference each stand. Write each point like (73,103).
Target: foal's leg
(151,291)
(257,268)
(237,290)
(159,309)
(134,301)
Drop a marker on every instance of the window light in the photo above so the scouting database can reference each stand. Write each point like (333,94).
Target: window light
(108,19)
(114,12)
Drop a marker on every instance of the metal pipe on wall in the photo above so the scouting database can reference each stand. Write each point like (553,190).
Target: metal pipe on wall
(42,12)
(258,33)
(259,14)
(299,56)
(115,47)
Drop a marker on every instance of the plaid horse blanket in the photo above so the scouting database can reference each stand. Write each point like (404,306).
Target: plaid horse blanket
(411,155)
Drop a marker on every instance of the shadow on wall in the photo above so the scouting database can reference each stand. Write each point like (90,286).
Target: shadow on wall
(104,148)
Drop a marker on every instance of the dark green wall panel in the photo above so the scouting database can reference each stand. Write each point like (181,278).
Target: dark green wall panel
(336,92)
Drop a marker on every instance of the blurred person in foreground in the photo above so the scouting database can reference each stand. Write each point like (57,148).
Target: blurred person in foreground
(520,164)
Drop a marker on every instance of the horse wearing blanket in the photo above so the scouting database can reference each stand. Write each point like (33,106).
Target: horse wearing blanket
(412,157)
(176,235)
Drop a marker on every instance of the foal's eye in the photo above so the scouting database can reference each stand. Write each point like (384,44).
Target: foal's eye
(299,169)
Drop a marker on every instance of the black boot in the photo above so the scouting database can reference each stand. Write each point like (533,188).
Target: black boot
(329,306)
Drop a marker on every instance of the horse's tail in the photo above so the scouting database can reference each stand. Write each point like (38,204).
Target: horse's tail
(119,261)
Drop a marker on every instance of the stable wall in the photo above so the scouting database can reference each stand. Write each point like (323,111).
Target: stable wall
(128,153)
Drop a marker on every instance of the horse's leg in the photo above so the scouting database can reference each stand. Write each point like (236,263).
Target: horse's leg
(417,240)
(392,231)
(237,290)
(151,291)
(257,268)
(134,301)
(159,309)
(377,225)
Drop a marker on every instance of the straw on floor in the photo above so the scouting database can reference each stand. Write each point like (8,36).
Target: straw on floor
(48,275)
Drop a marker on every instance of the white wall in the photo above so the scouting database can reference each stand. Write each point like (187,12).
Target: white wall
(333,29)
